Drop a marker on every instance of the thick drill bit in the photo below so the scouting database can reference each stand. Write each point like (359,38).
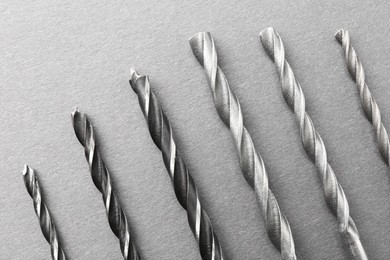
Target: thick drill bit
(313,144)
(45,221)
(102,180)
(185,189)
(252,165)
(370,107)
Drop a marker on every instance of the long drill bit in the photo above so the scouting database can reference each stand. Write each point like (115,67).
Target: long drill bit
(184,186)
(252,165)
(102,180)
(370,107)
(313,144)
(45,221)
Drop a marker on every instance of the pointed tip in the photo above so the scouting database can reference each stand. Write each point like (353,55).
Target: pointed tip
(197,44)
(198,36)
(266,32)
(25,169)
(29,179)
(134,75)
(75,111)
(267,40)
(79,122)
(132,70)
(339,35)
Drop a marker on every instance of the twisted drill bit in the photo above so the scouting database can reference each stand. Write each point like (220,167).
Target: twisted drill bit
(102,180)
(370,107)
(313,144)
(45,221)
(252,165)
(184,186)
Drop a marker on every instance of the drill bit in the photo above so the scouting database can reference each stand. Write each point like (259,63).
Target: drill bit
(45,221)
(252,165)
(370,107)
(102,180)
(186,192)
(313,144)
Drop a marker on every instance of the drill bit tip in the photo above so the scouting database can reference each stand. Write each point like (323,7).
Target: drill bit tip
(267,40)
(25,169)
(267,31)
(134,75)
(79,122)
(133,71)
(197,42)
(339,35)
(198,34)
(28,177)
(75,110)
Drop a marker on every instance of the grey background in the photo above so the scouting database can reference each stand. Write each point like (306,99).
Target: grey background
(59,54)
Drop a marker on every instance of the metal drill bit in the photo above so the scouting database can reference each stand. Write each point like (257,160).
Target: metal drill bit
(313,144)
(370,107)
(102,180)
(252,165)
(185,189)
(45,221)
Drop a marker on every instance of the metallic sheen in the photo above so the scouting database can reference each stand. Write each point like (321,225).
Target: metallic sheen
(101,177)
(370,107)
(185,189)
(252,165)
(313,144)
(45,221)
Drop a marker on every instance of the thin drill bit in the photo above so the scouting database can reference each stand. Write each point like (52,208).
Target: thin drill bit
(186,192)
(102,180)
(45,221)
(313,144)
(252,165)
(370,107)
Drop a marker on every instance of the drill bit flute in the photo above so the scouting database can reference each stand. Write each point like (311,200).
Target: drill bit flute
(370,107)
(45,221)
(313,144)
(185,189)
(252,165)
(101,178)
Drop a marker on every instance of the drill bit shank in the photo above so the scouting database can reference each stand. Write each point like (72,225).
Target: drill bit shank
(252,165)
(101,178)
(45,221)
(184,186)
(313,144)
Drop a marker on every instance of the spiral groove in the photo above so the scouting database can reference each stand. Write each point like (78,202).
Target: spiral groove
(313,144)
(370,107)
(45,221)
(101,178)
(184,186)
(252,165)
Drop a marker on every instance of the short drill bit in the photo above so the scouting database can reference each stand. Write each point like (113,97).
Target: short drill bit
(370,107)
(184,186)
(102,180)
(313,144)
(252,165)
(45,221)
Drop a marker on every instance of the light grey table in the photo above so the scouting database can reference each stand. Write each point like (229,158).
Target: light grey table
(56,55)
